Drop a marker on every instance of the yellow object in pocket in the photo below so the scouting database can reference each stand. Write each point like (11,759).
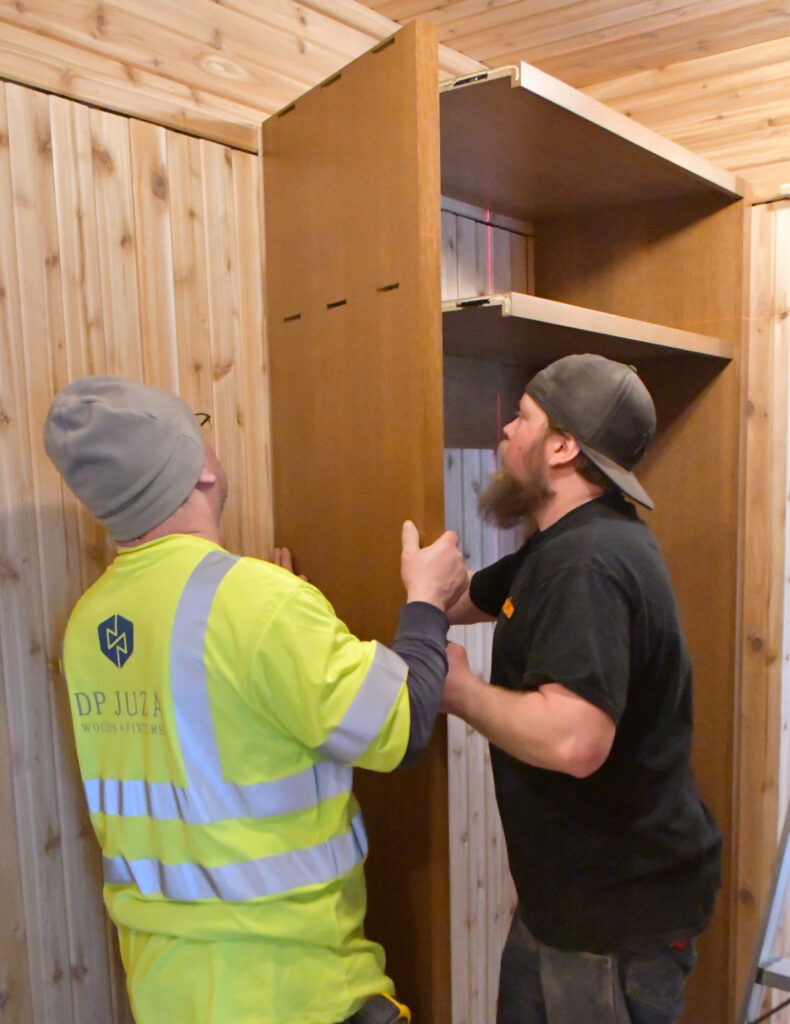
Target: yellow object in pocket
(382,1009)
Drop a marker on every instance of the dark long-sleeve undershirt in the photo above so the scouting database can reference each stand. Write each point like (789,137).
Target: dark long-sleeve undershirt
(421,642)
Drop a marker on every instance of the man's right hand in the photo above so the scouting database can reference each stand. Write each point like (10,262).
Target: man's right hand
(435,573)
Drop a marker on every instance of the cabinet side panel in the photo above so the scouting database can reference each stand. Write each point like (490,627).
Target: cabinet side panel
(692,475)
(351,196)
(681,264)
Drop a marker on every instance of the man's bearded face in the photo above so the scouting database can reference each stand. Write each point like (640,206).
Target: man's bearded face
(508,500)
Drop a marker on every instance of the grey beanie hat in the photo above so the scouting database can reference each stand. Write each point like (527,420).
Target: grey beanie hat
(131,453)
(606,407)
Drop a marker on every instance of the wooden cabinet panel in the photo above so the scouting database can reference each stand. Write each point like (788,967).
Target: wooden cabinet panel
(351,177)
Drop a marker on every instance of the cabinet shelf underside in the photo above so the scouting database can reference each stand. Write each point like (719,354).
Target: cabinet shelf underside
(530,156)
(525,329)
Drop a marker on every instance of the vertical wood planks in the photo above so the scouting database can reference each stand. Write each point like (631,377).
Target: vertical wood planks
(103,269)
(761,701)
(763,766)
(40,603)
(117,242)
(483,254)
(781,457)
(154,251)
(482,894)
(257,516)
(89,956)
(15,530)
(222,274)
(449,257)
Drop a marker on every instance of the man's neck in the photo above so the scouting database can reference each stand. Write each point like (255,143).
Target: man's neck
(207,530)
(568,496)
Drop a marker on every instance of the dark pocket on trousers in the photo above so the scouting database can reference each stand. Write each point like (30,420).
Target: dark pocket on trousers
(653,983)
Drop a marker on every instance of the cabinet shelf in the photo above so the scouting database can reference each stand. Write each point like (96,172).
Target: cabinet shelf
(518,141)
(524,329)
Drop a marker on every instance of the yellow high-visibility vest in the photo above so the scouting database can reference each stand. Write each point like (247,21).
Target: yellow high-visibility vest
(219,707)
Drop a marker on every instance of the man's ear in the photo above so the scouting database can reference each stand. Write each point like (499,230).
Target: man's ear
(207,477)
(563,448)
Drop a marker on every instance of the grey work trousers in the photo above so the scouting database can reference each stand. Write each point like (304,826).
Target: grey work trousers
(542,985)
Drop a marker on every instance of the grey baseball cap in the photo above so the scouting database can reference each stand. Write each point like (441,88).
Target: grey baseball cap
(131,453)
(607,408)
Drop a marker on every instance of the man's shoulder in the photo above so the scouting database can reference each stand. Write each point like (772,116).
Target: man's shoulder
(601,536)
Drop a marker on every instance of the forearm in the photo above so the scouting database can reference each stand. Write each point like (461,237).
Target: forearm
(548,728)
(420,641)
(464,611)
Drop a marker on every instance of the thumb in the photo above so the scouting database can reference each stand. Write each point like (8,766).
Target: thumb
(410,538)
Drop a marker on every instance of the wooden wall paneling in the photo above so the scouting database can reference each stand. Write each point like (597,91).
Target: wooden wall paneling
(230,438)
(17,534)
(48,589)
(190,273)
(80,272)
(95,967)
(473,269)
(81,281)
(462,950)
(248,214)
(782,339)
(517,259)
(761,778)
(760,703)
(482,893)
(449,257)
(779,607)
(86,206)
(115,226)
(501,899)
(369,174)
(113,204)
(472,547)
(154,252)
(483,252)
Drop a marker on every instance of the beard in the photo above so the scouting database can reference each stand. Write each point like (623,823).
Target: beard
(507,501)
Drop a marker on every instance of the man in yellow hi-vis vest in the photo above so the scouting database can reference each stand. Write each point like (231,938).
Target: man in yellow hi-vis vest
(219,708)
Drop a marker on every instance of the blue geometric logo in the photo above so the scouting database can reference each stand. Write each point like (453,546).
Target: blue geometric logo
(116,639)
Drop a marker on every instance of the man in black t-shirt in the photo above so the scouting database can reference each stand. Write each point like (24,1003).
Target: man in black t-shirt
(615,857)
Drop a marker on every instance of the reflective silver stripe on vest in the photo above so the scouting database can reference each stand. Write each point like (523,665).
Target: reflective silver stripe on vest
(362,722)
(266,876)
(207,798)
(163,800)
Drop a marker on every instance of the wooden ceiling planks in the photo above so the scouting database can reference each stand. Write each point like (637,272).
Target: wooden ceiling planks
(712,75)
(732,107)
(212,70)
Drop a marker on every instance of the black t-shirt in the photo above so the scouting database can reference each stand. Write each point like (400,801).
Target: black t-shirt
(629,854)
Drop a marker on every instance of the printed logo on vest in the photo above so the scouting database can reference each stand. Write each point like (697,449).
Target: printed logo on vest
(508,607)
(116,639)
